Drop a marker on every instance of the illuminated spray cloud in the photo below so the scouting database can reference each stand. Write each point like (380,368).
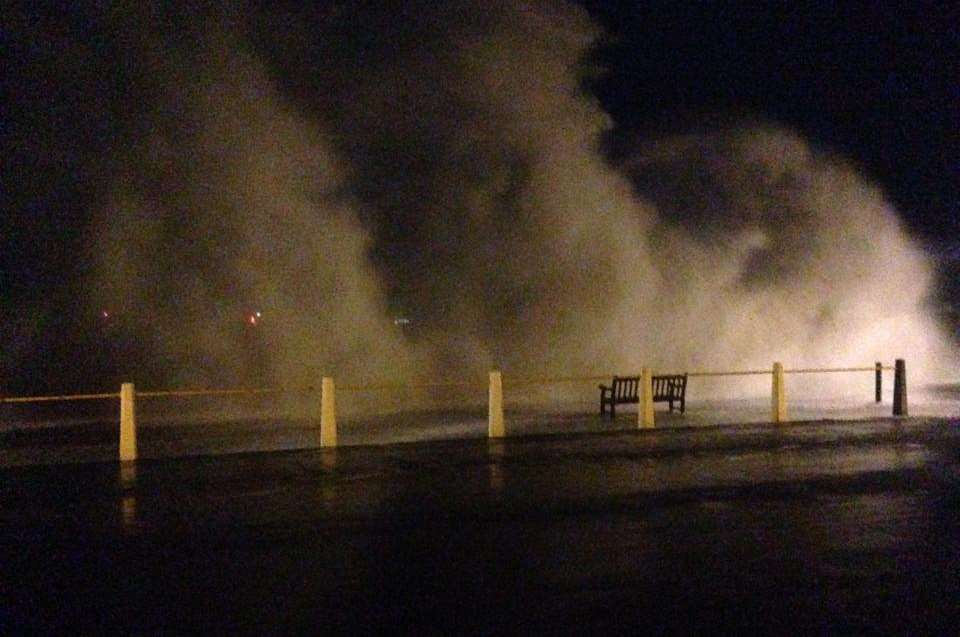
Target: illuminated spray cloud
(233,198)
(445,166)
(794,254)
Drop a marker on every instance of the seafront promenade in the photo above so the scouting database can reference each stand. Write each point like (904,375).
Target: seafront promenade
(819,526)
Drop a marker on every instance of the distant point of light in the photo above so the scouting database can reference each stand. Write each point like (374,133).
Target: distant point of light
(252,319)
(105,314)
(258,314)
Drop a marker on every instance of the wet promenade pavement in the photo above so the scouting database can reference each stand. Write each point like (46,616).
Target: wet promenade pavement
(818,527)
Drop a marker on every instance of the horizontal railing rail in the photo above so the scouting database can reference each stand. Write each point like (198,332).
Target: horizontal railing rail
(49,399)
(185,393)
(551,380)
(387,386)
(362,387)
(828,370)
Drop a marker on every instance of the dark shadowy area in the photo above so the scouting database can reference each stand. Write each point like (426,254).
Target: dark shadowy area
(823,527)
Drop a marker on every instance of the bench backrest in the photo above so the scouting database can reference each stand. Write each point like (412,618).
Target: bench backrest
(669,385)
(626,387)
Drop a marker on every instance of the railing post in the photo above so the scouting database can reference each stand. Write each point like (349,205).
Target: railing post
(495,427)
(879,373)
(128,423)
(900,388)
(328,413)
(778,412)
(645,418)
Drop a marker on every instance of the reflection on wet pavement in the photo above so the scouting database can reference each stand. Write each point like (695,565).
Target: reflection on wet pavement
(826,527)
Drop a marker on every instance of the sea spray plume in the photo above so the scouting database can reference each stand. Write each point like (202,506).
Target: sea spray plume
(488,214)
(229,202)
(789,250)
(496,222)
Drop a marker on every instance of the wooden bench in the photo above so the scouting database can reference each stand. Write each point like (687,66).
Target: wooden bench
(625,390)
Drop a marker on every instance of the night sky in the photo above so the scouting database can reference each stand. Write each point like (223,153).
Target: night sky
(874,82)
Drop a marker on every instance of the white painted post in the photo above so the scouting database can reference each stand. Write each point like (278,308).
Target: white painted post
(328,413)
(778,407)
(645,418)
(128,423)
(495,427)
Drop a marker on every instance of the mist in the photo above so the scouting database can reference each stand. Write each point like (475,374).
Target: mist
(443,164)
(232,206)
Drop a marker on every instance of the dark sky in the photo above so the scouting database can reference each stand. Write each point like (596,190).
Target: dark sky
(875,82)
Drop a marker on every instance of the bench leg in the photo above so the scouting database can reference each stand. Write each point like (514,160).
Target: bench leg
(671,405)
(613,410)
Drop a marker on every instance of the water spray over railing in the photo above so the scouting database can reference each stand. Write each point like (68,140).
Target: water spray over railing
(495,420)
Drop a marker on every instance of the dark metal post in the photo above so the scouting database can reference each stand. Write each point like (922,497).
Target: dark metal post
(900,389)
(879,380)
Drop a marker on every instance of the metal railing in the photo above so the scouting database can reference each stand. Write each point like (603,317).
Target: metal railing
(328,427)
